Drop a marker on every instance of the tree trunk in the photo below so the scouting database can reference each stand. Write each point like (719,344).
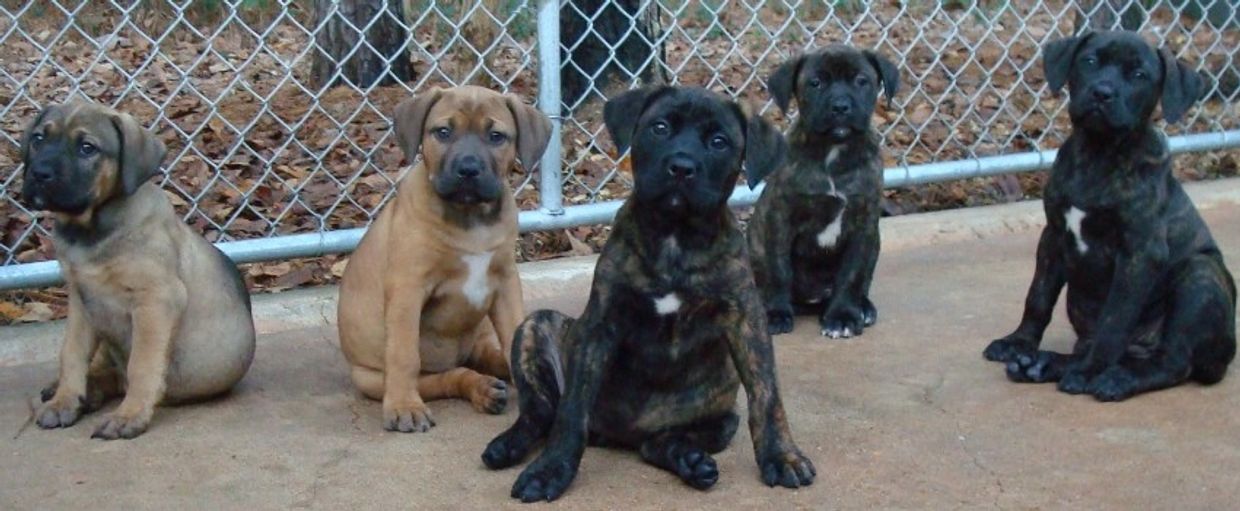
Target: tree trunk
(589,29)
(340,23)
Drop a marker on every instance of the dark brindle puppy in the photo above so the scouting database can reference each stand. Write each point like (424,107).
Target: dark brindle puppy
(814,232)
(1148,294)
(674,323)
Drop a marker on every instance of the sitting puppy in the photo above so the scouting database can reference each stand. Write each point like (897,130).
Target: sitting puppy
(814,231)
(673,323)
(156,313)
(432,292)
(1148,294)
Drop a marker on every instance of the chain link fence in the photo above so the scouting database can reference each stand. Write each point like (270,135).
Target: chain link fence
(276,113)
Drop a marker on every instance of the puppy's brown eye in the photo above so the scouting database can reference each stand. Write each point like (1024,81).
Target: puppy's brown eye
(498,138)
(660,128)
(815,83)
(1093,61)
(87,149)
(720,143)
(36,140)
(862,81)
(442,134)
(1140,75)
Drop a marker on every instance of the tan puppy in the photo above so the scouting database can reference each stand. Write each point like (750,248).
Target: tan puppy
(156,313)
(433,281)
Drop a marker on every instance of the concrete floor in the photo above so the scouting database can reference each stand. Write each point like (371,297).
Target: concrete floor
(909,416)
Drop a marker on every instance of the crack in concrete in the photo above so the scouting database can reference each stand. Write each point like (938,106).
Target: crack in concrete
(928,393)
(313,490)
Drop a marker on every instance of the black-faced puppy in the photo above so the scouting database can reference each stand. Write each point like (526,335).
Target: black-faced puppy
(1148,294)
(814,234)
(674,323)
(431,297)
(156,313)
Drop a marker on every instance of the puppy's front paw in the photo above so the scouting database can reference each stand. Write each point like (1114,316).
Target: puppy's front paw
(407,418)
(489,395)
(509,448)
(696,468)
(786,467)
(545,479)
(779,321)
(1074,381)
(122,425)
(843,322)
(1008,348)
(60,412)
(1114,384)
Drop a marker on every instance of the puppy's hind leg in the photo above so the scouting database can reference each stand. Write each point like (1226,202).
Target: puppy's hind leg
(538,373)
(685,451)
(1199,338)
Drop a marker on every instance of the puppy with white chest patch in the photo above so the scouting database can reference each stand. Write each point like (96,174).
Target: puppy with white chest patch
(431,298)
(1149,297)
(814,234)
(674,325)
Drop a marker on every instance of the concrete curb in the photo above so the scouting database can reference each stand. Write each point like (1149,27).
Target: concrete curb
(316,307)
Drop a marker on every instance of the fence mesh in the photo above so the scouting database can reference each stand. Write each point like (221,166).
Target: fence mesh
(260,146)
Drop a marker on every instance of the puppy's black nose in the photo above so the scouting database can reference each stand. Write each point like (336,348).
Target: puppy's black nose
(681,167)
(42,174)
(840,106)
(1104,92)
(468,166)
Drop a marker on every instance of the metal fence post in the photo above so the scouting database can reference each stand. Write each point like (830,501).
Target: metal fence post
(550,185)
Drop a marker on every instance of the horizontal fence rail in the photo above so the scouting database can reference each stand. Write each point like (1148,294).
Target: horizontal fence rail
(277,113)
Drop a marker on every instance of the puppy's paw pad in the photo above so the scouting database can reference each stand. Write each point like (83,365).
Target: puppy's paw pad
(789,469)
(60,413)
(543,480)
(414,418)
(490,396)
(779,322)
(117,426)
(697,469)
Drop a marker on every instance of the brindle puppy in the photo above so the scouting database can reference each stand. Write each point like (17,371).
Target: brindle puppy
(1148,294)
(814,232)
(674,323)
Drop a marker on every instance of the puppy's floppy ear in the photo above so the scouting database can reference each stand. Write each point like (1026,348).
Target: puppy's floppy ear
(887,72)
(621,113)
(1057,57)
(38,120)
(141,152)
(783,82)
(1181,86)
(533,131)
(410,120)
(765,147)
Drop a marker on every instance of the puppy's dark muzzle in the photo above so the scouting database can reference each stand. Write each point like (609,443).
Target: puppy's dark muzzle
(468,179)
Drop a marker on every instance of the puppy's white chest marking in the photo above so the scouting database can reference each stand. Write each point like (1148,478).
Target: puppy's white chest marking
(475,287)
(831,234)
(831,156)
(668,304)
(1073,218)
